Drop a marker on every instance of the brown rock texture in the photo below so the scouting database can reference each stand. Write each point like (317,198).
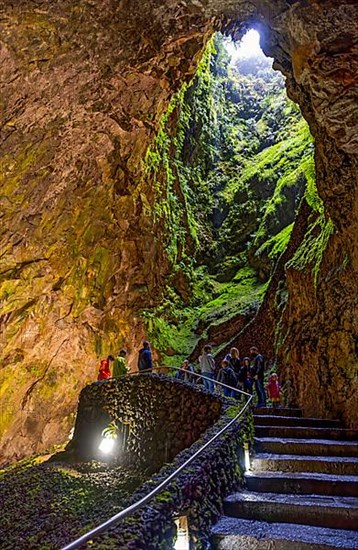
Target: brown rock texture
(83,87)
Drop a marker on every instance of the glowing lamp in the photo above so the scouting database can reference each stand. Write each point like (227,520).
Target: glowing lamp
(106,445)
(182,541)
(247,455)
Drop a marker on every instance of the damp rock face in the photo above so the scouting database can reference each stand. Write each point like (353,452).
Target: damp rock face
(83,88)
(158,417)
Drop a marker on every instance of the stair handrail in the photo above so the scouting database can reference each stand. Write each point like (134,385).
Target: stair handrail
(144,500)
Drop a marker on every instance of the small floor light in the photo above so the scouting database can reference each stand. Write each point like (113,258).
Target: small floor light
(247,455)
(182,542)
(106,445)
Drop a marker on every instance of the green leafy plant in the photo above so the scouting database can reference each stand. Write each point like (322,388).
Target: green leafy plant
(111,431)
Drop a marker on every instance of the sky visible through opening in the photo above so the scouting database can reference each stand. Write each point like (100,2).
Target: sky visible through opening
(248,47)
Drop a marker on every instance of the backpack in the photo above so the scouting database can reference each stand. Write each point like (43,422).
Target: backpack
(232,380)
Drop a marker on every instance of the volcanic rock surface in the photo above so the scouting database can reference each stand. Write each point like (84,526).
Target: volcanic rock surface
(83,88)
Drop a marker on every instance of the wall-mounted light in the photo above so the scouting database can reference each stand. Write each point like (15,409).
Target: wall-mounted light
(247,455)
(109,435)
(106,445)
(182,541)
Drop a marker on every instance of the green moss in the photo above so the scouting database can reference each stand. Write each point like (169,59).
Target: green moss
(234,297)
(320,229)
(67,501)
(277,244)
(177,339)
(310,253)
(173,340)
(278,161)
(234,144)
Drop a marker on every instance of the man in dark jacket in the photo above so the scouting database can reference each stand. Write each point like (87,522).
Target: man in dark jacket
(257,373)
(145,363)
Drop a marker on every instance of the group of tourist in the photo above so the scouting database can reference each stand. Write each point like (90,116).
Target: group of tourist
(145,363)
(245,374)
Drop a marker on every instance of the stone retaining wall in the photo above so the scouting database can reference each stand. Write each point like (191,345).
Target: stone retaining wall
(158,416)
(176,414)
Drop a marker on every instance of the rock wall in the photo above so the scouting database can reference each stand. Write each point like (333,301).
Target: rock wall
(83,88)
(316,334)
(161,416)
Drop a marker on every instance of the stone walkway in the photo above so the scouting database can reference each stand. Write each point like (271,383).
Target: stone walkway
(302,489)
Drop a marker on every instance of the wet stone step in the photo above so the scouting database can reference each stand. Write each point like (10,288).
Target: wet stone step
(295,463)
(240,534)
(302,483)
(322,511)
(272,420)
(277,412)
(294,432)
(308,447)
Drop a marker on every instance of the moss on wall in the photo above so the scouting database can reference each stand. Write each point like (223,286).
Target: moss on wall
(320,228)
(230,163)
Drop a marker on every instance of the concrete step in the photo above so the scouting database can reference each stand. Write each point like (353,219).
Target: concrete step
(240,534)
(322,511)
(302,483)
(279,412)
(276,420)
(307,447)
(339,465)
(294,432)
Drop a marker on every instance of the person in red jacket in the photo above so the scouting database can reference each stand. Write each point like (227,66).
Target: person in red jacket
(104,370)
(273,389)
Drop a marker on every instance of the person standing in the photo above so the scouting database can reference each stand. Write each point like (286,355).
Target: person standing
(234,359)
(145,363)
(120,364)
(207,368)
(245,375)
(235,363)
(257,373)
(187,376)
(104,371)
(273,389)
(227,376)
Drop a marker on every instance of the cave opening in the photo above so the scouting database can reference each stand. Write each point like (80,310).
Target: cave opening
(240,155)
(248,47)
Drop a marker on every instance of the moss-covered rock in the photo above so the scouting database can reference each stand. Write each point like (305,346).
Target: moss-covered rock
(237,154)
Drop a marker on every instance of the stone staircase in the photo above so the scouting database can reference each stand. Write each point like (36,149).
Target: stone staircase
(302,489)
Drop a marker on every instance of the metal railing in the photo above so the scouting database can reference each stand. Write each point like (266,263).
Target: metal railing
(140,503)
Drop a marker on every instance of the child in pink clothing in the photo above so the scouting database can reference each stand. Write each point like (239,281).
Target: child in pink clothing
(273,389)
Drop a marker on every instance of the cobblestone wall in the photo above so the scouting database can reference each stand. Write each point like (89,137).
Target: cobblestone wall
(169,421)
(158,417)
